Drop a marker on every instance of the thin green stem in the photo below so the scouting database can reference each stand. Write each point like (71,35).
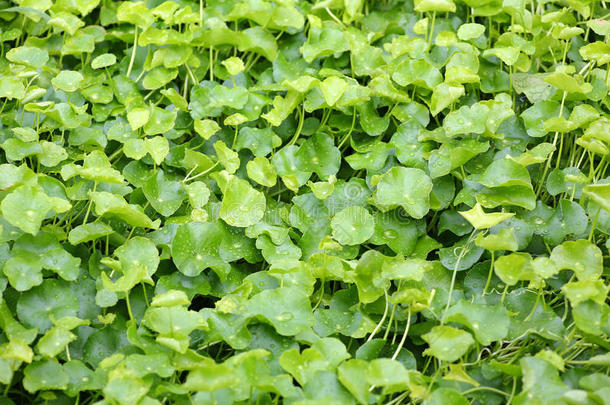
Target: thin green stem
(404,335)
(211,63)
(463,251)
(203,173)
(431,29)
(387,331)
(385,313)
(133,52)
(297,133)
(491,270)
(128,305)
(594,223)
(89,205)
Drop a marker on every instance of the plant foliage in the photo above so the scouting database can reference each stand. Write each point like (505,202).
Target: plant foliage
(304,202)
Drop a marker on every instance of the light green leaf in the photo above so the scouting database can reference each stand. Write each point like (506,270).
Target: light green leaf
(581,256)
(30,56)
(479,219)
(261,171)
(26,207)
(242,205)
(447,343)
(352,226)
(291,315)
(67,80)
(163,193)
(406,187)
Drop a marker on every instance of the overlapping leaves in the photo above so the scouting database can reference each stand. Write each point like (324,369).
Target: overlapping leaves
(304,202)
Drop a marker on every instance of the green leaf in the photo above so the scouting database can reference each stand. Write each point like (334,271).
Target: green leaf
(196,247)
(505,239)
(29,56)
(447,343)
(26,207)
(228,158)
(446,396)
(533,86)
(435,5)
(25,134)
(352,374)
(102,61)
(198,193)
(159,77)
(174,325)
(488,323)
(11,87)
(24,271)
(505,173)
(68,81)
(418,72)
(163,193)
(581,256)
(96,167)
(209,376)
(597,51)
(88,232)
(242,205)
(352,226)
(369,280)
(135,13)
(406,187)
(579,291)
(466,120)
(319,154)
(206,128)
(535,116)
(387,373)
(234,65)
(110,204)
(138,251)
(470,31)
(160,122)
(53,298)
(124,387)
(541,381)
(55,341)
(479,219)
(261,171)
(600,193)
(260,141)
(291,315)
(443,95)
(513,267)
(569,84)
(332,89)
(323,40)
(45,375)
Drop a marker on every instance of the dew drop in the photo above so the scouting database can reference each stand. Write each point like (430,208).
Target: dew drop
(285,316)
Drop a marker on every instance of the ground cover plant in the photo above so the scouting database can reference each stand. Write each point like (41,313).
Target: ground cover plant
(294,202)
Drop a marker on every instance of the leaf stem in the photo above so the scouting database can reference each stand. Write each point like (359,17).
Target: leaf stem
(404,335)
(128,305)
(454,275)
(491,269)
(385,313)
(211,63)
(203,173)
(431,29)
(89,205)
(299,127)
(387,331)
(594,223)
(133,52)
